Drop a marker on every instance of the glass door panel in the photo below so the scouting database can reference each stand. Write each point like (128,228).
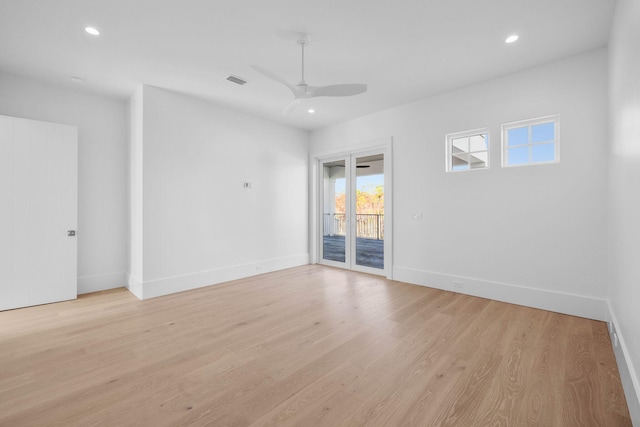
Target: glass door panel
(334,217)
(369,211)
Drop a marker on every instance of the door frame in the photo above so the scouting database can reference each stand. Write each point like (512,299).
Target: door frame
(379,146)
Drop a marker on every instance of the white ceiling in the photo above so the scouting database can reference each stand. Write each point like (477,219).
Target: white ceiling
(404,50)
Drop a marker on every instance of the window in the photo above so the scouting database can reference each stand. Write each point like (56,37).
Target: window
(530,142)
(468,150)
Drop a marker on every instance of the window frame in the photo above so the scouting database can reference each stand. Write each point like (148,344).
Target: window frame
(466,134)
(529,123)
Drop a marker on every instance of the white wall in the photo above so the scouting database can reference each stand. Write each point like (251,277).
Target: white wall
(102,172)
(624,190)
(532,235)
(200,226)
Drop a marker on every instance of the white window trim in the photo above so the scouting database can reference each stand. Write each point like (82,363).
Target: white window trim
(555,118)
(467,133)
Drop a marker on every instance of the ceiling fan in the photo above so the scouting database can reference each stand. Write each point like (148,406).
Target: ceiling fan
(302,90)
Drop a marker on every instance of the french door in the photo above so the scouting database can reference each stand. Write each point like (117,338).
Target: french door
(352,193)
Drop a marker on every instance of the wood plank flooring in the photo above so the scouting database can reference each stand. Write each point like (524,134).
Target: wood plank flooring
(305,346)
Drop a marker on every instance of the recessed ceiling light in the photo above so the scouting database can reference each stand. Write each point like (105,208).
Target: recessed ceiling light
(92,31)
(511,38)
(311,111)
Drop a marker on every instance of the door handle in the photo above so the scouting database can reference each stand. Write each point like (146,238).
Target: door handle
(71,233)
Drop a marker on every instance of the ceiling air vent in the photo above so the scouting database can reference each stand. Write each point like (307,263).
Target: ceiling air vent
(236,79)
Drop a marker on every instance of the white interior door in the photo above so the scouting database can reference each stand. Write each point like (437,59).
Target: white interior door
(38,217)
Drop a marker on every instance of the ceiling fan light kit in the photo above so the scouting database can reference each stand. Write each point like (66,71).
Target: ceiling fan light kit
(303,91)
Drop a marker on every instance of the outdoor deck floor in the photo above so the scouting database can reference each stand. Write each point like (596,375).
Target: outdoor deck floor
(369,252)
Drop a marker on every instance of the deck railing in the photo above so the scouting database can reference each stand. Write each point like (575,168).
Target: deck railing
(368,226)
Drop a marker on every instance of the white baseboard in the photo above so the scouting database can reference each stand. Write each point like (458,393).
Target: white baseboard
(559,302)
(170,285)
(134,285)
(100,282)
(628,374)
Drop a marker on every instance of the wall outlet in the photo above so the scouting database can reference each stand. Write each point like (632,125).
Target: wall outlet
(615,339)
(458,285)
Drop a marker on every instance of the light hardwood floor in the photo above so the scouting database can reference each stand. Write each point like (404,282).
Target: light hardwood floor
(305,346)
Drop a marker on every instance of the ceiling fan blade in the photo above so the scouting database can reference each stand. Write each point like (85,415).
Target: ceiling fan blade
(275,77)
(292,106)
(338,90)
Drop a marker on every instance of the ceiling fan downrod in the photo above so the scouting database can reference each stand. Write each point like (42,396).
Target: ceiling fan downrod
(303,42)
